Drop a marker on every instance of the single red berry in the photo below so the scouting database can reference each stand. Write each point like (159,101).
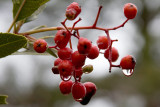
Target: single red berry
(84,45)
(62,38)
(90,91)
(65,87)
(102,42)
(78,59)
(55,70)
(90,88)
(115,54)
(93,53)
(72,11)
(65,69)
(128,62)
(65,53)
(40,45)
(130,10)
(57,62)
(78,91)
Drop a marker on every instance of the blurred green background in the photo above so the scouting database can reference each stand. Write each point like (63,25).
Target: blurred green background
(29,82)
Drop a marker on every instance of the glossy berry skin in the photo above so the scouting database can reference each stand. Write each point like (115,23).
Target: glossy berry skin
(84,46)
(78,72)
(57,62)
(78,91)
(128,62)
(40,45)
(66,69)
(78,59)
(65,87)
(65,53)
(130,10)
(115,54)
(90,91)
(55,70)
(93,53)
(73,10)
(102,42)
(62,38)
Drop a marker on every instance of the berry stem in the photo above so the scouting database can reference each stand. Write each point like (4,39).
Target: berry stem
(95,23)
(70,43)
(122,25)
(75,23)
(75,28)
(63,23)
(53,47)
(110,50)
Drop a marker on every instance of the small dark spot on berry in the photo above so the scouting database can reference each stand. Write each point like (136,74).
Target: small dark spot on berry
(39,45)
(131,5)
(85,46)
(64,33)
(63,70)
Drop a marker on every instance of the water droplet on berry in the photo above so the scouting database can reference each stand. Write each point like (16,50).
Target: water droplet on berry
(127,72)
(67,78)
(79,100)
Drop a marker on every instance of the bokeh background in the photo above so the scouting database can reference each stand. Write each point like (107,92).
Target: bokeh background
(29,82)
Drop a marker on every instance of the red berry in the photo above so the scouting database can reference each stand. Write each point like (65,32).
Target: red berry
(90,91)
(130,10)
(78,91)
(102,42)
(84,45)
(78,59)
(72,11)
(90,88)
(57,62)
(65,53)
(55,70)
(66,69)
(62,38)
(40,45)
(115,54)
(78,72)
(65,87)
(128,62)
(93,53)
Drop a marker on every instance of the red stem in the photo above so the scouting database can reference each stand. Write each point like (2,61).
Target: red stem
(75,23)
(114,28)
(95,23)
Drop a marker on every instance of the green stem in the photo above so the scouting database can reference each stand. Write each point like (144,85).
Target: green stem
(46,37)
(16,17)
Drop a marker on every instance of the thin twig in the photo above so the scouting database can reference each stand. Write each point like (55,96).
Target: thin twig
(16,17)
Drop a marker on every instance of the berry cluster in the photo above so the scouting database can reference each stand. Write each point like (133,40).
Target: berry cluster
(72,63)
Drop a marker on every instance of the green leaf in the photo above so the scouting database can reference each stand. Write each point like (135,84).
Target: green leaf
(35,14)
(29,7)
(10,43)
(3,99)
(51,52)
